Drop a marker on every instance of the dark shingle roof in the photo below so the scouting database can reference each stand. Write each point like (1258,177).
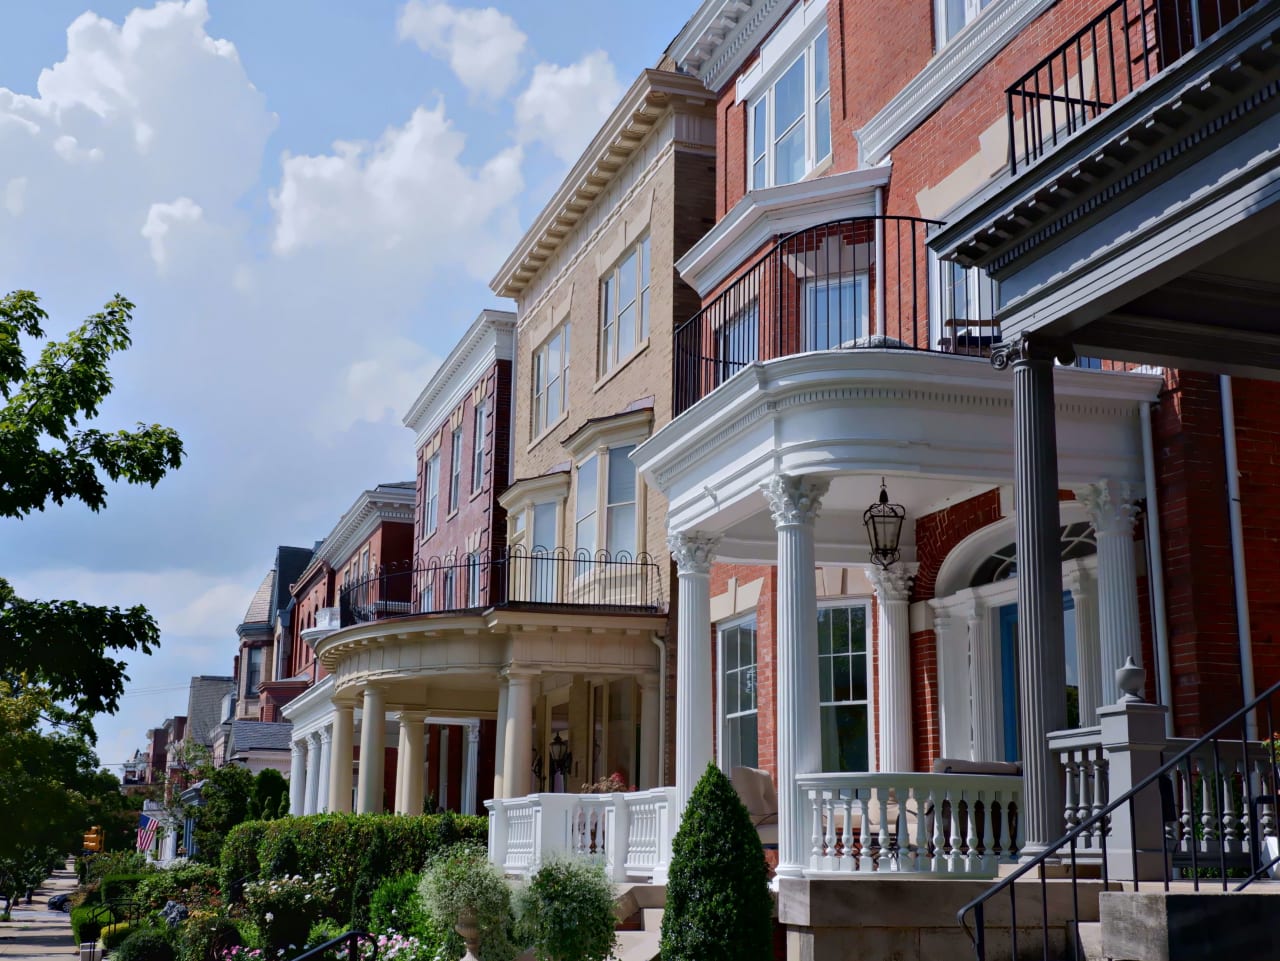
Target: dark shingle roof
(204,706)
(261,735)
(290,563)
(259,611)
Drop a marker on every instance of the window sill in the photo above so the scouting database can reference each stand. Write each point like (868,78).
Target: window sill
(622,365)
(475,493)
(550,428)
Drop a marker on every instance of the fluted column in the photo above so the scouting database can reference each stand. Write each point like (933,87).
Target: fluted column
(297,779)
(326,760)
(373,747)
(398,803)
(794,503)
(517,754)
(1041,651)
(340,757)
(1112,508)
(311,803)
(893,591)
(470,767)
(952,641)
(693,554)
(409,762)
(984,683)
(650,732)
(1084,596)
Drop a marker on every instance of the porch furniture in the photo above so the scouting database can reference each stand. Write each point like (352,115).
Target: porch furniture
(760,798)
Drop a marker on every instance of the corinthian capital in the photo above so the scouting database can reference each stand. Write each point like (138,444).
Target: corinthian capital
(693,553)
(795,501)
(1112,506)
(894,583)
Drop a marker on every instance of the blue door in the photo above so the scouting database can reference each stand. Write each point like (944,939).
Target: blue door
(1008,620)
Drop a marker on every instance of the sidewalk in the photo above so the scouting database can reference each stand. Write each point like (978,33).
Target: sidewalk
(35,931)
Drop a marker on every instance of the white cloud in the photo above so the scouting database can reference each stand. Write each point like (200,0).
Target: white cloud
(14,195)
(162,219)
(563,107)
(482,46)
(382,384)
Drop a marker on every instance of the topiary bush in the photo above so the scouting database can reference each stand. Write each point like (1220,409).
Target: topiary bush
(718,902)
(566,912)
(145,944)
(397,906)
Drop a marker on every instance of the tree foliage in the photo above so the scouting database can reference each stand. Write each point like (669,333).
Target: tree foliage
(226,800)
(268,788)
(48,455)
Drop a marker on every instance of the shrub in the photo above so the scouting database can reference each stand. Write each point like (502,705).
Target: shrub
(324,930)
(566,912)
(204,936)
(397,906)
(240,856)
(194,885)
(285,908)
(145,944)
(113,934)
(93,867)
(718,903)
(87,923)
(123,886)
(462,880)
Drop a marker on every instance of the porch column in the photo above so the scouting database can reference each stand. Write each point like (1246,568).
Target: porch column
(373,746)
(984,684)
(297,778)
(409,761)
(517,756)
(1041,653)
(952,639)
(1084,595)
(398,804)
(694,554)
(893,589)
(340,758)
(326,761)
(1112,508)
(313,773)
(650,731)
(500,741)
(470,766)
(794,503)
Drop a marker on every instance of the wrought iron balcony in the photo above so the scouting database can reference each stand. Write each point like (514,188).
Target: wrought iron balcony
(1108,58)
(854,283)
(511,578)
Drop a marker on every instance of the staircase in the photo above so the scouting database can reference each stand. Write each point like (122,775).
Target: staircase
(638,908)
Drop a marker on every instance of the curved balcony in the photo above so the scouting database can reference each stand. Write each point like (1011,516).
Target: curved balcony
(511,577)
(848,284)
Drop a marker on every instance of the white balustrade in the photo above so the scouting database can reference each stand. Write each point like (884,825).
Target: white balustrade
(1085,779)
(630,833)
(921,823)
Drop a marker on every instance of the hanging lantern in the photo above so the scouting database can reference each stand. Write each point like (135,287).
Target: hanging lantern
(884,528)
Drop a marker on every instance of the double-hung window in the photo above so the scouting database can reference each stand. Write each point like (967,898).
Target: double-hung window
(253,671)
(431,482)
(606,506)
(837,310)
(624,307)
(455,469)
(550,380)
(586,508)
(740,743)
(473,580)
(790,122)
(480,429)
(842,688)
(964,306)
(954,15)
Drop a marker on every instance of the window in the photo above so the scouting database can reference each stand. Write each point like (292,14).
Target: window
(543,568)
(836,310)
(586,506)
(455,469)
(965,305)
(842,686)
(954,15)
(739,733)
(446,587)
(544,527)
(432,484)
(624,307)
(790,123)
(738,342)
(480,429)
(473,580)
(617,512)
(253,672)
(550,380)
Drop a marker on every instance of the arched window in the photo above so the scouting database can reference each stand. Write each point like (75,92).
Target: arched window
(1076,540)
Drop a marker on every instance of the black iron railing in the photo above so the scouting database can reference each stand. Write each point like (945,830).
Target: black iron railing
(858,282)
(1112,55)
(512,577)
(1233,798)
(345,947)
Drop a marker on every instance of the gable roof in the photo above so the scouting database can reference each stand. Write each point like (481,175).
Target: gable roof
(204,706)
(261,735)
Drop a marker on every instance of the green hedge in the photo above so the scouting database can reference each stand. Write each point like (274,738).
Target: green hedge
(113,934)
(122,886)
(83,927)
(357,851)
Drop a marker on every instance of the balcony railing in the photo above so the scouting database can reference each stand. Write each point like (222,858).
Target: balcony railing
(1112,55)
(854,283)
(513,577)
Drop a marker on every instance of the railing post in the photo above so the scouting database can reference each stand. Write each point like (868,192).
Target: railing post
(617,835)
(1132,741)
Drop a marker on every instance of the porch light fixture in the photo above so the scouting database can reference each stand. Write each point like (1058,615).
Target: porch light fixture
(884,528)
(559,751)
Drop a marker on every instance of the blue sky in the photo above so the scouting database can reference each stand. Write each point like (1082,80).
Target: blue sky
(306,200)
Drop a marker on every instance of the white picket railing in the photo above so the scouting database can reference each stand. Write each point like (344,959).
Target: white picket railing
(923,823)
(630,833)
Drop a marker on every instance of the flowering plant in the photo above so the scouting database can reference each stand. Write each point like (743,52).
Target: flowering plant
(608,785)
(399,947)
(284,908)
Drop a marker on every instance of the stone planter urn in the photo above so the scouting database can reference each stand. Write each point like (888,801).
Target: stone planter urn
(469,930)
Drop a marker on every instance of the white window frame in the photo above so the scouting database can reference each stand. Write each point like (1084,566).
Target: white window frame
(455,469)
(723,715)
(473,579)
(940,301)
(848,603)
(599,510)
(431,508)
(816,92)
(613,350)
(860,280)
(972,10)
(479,429)
(546,384)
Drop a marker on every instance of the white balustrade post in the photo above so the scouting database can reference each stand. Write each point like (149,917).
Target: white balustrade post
(341,757)
(326,761)
(1133,737)
(1084,596)
(693,554)
(795,503)
(616,837)
(893,590)
(517,755)
(373,757)
(313,773)
(1112,508)
(297,779)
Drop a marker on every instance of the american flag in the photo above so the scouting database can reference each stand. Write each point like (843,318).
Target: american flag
(146,832)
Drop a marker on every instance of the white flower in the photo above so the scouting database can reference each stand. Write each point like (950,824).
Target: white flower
(270,917)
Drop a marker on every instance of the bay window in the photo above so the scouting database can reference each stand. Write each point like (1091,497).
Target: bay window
(605,507)
(790,122)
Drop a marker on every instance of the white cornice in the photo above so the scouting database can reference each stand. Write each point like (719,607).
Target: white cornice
(942,76)
(526,490)
(626,129)
(722,34)
(372,507)
(612,431)
(491,337)
(772,211)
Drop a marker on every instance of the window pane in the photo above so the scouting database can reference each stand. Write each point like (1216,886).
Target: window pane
(544,527)
(585,536)
(644,313)
(585,505)
(788,161)
(622,475)
(747,649)
(953,18)
(824,631)
(628,272)
(788,97)
(858,677)
(758,173)
(821,68)
(824,679)
(552,403)
(627,330)
(840,630)
(822,127)
(858,628)
(844,738)
(621,535)
(742,743)
(760,132)
(840,682)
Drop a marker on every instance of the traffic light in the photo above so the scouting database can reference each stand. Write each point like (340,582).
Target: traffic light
(93,839)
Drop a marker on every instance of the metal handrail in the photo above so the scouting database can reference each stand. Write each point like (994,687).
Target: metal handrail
(350,939)
(977,935)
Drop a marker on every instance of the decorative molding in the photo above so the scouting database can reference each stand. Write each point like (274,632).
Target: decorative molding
(795,501)
(953,65)
(718,38)
(371,508)
(893,583)
(1112,506)
(693,552)
(1025,349)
